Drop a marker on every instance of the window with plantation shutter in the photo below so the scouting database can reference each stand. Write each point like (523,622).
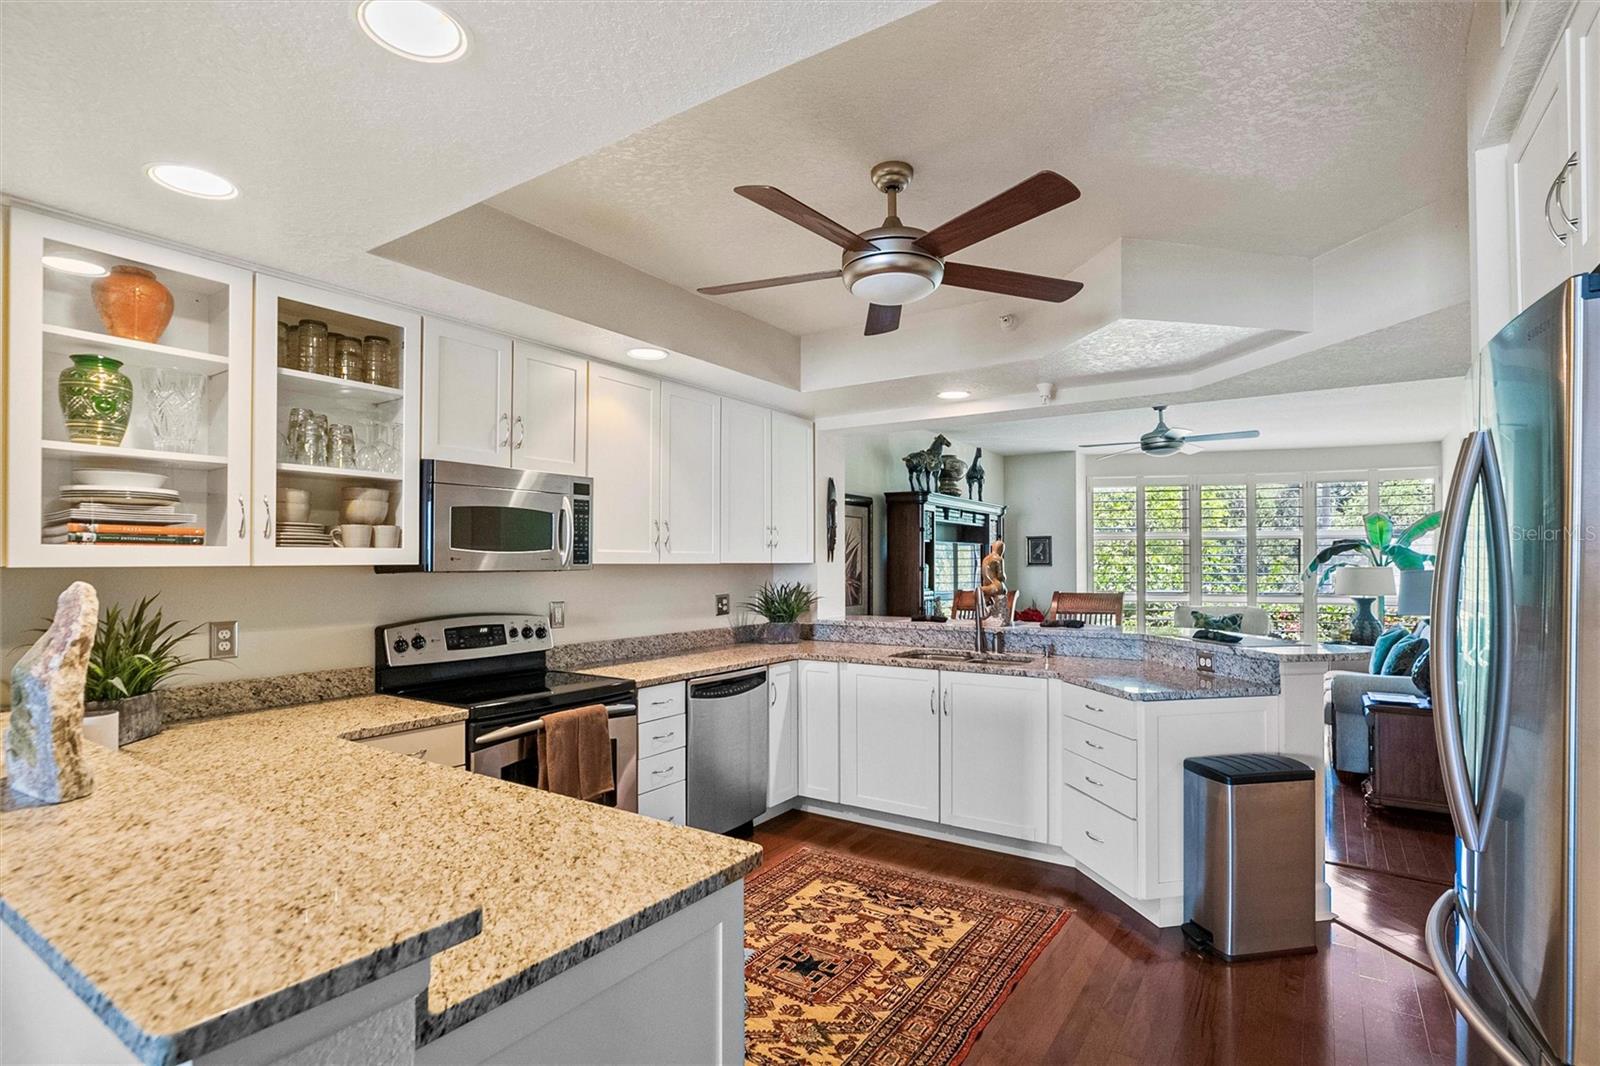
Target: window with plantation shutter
(1280,529)
(1165,558)
(1114,517)
(1224,543)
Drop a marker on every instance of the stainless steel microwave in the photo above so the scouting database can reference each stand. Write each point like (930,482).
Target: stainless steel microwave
(494,518)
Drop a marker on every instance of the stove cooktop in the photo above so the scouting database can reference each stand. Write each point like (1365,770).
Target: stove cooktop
(520,692)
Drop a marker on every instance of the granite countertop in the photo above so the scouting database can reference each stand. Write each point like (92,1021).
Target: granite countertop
(229,873)
(1132,679)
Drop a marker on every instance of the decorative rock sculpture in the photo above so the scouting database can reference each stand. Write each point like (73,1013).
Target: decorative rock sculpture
(975,477)
(994,583)
(923,467)
(44,742)
(950,470)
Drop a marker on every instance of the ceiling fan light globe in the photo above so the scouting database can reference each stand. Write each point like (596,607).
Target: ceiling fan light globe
(893,287)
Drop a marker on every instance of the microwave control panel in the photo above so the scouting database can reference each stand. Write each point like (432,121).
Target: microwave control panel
(580,531)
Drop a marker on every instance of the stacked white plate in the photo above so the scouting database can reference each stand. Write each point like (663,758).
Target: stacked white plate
(127,487)
(303,535)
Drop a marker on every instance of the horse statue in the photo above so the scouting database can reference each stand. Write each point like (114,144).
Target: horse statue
(922,468)
(975,477)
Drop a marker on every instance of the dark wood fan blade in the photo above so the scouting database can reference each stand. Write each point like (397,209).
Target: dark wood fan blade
(882,318)
(780,202)
(767,283)
(1045,191)
(1010,282)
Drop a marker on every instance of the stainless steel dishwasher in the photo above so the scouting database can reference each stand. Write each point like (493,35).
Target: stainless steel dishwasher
(727,749)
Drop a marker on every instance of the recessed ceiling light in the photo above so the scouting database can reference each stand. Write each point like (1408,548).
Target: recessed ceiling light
(954,394)
(68,265)
(192,181)
(649,355)
(413,29)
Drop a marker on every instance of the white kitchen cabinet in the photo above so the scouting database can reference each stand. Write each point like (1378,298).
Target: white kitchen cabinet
(994,754)
(51,316)
(667,804)
(624,428)
(1584,188)
(549,410)
(280,390)
(690,513)
(767,486)
(793,490)
(1541,188)
(746,483)
(467,385)
(818,685)
(663,701)
(443,745)
(889,740)
(783,734)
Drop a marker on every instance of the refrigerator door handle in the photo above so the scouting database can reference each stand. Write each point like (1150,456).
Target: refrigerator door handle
(1478,463)
(1455,990)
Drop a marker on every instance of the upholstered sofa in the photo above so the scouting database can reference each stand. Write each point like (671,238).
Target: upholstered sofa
(1341,708)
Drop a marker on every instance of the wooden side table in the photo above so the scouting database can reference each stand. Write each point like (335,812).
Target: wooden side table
(1405,756)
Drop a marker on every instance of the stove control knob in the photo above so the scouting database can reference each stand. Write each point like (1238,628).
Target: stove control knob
(400,645)
(541,632)
(419,642)
(527,632)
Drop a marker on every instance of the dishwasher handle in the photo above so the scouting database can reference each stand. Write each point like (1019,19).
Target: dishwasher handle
(725,688)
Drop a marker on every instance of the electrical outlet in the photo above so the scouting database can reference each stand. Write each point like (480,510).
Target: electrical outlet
(1205,664)
(723,605)
(224,639)
(558,614)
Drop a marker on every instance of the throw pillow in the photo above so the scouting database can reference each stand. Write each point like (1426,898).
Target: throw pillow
(1404,656)
(1421,674)
(1385,644)
(1226,623)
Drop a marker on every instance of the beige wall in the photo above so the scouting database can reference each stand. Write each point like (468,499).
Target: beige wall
(1042,502)
(304,618)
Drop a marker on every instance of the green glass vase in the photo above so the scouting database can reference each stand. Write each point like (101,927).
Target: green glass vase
(96,398)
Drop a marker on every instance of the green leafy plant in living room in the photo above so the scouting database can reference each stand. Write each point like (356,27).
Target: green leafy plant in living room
(133,652)
(1384,545)
(783,604)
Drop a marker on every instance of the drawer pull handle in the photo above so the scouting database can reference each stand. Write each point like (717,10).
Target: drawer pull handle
(659,703)
(1093,782)
(663,736)
(1096,710)
(421,754)
(1092,837)
(1096,747)
(663,770)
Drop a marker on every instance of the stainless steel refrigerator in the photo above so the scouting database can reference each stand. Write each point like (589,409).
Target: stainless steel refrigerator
(1516,685)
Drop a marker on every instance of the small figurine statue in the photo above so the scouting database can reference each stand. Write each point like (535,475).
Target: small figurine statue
(44,741)
(922,468)
(993,585)
(975,477)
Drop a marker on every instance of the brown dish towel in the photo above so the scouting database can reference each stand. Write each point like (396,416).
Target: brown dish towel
(574,749)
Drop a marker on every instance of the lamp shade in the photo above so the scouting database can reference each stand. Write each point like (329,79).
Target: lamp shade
(1364,581)
(1416,592)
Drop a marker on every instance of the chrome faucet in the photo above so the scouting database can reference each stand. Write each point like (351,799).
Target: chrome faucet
(979,606)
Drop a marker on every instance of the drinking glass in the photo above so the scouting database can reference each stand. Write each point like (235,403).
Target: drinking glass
(342,447)
(379,356)
(347,360)
(313,337)
(173,398)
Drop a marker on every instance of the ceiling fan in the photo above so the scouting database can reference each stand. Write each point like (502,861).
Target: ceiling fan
(1164,440)
(895,264)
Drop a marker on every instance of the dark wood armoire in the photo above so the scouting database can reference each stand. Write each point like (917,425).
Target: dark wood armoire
(932,544)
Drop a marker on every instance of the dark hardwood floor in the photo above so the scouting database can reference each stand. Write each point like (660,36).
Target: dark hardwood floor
(1414,843)
(1111,989)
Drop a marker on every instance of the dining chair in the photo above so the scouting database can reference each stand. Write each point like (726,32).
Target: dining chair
(1093,608)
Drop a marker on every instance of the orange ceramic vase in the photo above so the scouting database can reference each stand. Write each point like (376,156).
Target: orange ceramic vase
(133,304)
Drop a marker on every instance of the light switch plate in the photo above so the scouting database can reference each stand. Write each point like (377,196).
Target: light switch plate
(558,614)
(723,605)
(224,639)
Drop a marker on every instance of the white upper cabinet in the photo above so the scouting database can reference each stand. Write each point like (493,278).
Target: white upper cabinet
(746,483)
(624,427)
(203,394)
(1542,188)
(549,410)
(690,516)
(767,486)
(995,754)
(1583,194)
(793,490)
(467,394)
(889,740)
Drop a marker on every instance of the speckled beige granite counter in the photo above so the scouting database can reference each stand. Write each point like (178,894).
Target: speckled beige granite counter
(1128,678)
(302,854)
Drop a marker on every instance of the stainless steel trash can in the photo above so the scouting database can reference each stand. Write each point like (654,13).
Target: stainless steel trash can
(1249,855)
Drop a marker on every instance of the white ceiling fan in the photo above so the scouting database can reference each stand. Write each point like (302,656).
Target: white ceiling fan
(1166,440)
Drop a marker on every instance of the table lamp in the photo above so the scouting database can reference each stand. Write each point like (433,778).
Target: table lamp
(1363,584)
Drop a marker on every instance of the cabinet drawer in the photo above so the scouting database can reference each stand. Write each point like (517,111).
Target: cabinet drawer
(1103,747)
(1101,839)
(659,771)
(442,744)
(1097,782)
(661,701)
(1107,712)
(663,734)
(670,804)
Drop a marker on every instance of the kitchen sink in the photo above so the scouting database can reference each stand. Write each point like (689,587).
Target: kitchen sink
(948,655)
(1000,657)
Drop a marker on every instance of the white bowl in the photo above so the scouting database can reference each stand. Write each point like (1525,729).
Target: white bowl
(364,492)
(364,512)
(120,479)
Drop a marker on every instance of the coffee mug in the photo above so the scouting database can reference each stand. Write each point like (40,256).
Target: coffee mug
(294,505)
(354,535)
(386,536)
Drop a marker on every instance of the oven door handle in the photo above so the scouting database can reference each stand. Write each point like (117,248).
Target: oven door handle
(613,710)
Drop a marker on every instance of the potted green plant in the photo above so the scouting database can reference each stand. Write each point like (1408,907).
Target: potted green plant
(1383,546)
(133,652)
(782,606)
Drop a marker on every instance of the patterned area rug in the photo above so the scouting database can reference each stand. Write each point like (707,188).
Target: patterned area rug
(853,961)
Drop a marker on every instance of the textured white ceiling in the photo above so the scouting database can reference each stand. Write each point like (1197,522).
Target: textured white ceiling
(1278,127)
(1136,344)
